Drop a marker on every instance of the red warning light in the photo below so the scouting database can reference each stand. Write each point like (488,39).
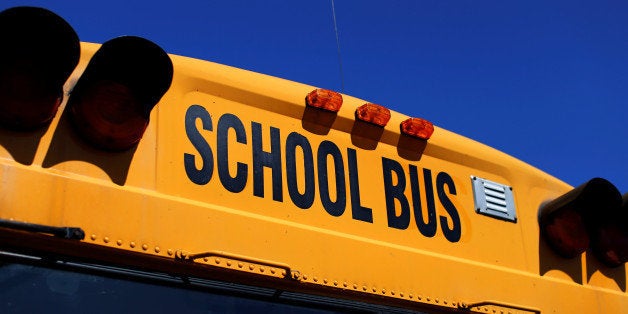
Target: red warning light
(417,127)
(111,103)
(108,115)
(374,114)
(566,233)
(27,101)
(324,99)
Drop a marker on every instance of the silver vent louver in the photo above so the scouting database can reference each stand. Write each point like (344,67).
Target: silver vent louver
(493,199)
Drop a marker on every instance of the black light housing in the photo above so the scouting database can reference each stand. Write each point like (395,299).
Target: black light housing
(610,237)
(39,52)
(586,216)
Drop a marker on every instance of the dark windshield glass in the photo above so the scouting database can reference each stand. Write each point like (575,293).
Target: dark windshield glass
(35,286)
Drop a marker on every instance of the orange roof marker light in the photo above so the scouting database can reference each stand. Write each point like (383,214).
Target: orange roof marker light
(372,113)
(417,127)
(324,99)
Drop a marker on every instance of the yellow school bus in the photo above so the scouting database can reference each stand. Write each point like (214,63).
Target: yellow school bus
(134,180)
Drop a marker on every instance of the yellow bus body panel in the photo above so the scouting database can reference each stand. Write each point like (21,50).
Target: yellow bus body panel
(144,201)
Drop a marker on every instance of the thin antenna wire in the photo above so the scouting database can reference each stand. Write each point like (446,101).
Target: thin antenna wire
(342,77)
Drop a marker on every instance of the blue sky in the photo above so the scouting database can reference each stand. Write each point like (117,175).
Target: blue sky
(544,81)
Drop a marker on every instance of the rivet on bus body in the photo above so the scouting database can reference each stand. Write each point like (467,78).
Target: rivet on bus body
(251,267)
(272,271)
(132,244)
(217,261)
(410,296)
(364,288)
(392,292)
(325,280)
(170,252)
(401,294)
(229,263)
(335,283)
(261,269)
(344,284)
(205,259)
(383,291)
(315,279)
(240,265)
(106,239)
(355,286)
(119,242)
(157,249)
(374,289)
(144,247)
(93,237)
(304,276)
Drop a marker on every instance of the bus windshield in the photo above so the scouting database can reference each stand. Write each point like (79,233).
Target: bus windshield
(41,284)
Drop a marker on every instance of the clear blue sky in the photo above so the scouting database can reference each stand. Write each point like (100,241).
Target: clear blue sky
(544,81)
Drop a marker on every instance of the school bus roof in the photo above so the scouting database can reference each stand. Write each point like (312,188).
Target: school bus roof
(236,173)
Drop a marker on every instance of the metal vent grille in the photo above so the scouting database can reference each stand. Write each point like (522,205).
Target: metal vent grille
(493,199)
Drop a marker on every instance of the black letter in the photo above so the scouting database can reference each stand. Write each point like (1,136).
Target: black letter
(395,192)
(306,199)
(427,229)
(358,211)
(233,184)
(203,175)
(263,159)
(453,235)
(333,208)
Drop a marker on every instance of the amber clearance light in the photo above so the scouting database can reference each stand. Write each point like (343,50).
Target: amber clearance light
(324,99)
(374,114)
(417,127)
